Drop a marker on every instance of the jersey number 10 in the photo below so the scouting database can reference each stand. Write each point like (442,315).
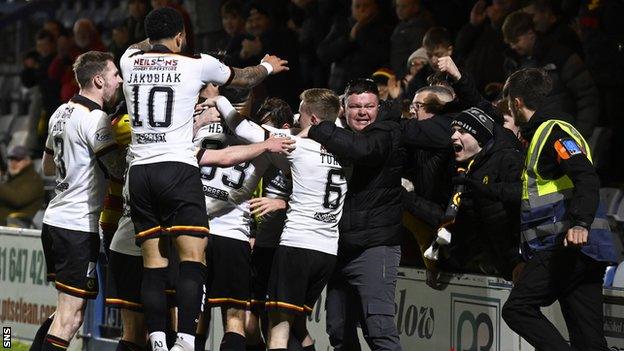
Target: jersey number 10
(136,121)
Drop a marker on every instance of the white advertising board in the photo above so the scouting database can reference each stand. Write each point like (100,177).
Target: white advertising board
(26,299)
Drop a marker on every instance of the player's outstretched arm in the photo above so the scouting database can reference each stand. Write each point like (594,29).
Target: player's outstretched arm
(249,77)
(246,130)
(234,155)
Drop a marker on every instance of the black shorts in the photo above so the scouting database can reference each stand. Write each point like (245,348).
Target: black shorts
(298,276)
(261,262)
(228,262)
(166,198)
(123,281)
(124,277)
(71,260)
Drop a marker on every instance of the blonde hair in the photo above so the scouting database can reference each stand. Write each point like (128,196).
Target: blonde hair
(323,103)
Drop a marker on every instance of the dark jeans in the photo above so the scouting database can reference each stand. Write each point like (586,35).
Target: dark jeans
(570,277)
(362,289)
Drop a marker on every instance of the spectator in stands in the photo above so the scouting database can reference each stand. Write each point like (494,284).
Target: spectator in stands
(264,37)
(35,71)
(356,46)
(408,34)
(436,43)
(428,164)
(416,62)
(233,23)
(86,36)
(60,71)
(486,229)
(21,196)
(137,10)
(311,24)
(206,20)
(602,36)
(382,77)
(549,22)
(120,42)
(188,25)
(573,89)
(55,27)
(480,44)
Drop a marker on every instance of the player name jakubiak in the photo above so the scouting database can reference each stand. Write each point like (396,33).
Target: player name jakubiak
(153,78)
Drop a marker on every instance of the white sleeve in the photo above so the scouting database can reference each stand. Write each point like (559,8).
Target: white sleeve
(214,71)
(245,129)
(98,133)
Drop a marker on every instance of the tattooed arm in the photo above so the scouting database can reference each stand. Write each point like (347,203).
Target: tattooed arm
(142,45)
(249,77)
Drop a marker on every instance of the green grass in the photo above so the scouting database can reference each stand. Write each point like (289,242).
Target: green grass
(18,346)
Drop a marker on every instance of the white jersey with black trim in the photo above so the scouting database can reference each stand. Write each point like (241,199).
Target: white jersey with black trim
(318,191)
(79,131)
(227,190)
(161,90)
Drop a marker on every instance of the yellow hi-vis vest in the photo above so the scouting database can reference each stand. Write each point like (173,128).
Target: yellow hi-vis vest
(544,200)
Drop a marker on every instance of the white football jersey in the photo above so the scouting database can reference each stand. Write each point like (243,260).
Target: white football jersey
(78,132)
(227,190)
(161,90)
(318,192)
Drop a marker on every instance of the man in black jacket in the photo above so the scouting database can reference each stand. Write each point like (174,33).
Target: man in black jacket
(356,46)
(487,222)
(362,287)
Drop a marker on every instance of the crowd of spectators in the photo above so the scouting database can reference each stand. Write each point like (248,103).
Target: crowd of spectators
(399,44)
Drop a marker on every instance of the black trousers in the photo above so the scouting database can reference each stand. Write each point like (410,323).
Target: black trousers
(572,278)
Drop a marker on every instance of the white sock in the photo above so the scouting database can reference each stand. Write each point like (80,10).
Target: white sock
(187,337)
(158,339)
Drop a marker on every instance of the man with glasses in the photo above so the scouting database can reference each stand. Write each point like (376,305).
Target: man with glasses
(364,280)
(21,196)
(430,101)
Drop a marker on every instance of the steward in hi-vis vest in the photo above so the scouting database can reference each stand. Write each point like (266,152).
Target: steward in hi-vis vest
(565,237)
(546,201)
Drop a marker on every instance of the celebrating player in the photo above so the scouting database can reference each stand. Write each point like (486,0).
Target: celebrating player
(161,88)
(79,138)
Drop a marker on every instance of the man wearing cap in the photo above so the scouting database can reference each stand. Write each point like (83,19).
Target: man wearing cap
(486,226)
(21,196)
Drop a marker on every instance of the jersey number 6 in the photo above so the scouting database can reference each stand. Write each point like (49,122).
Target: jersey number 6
(329,201)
